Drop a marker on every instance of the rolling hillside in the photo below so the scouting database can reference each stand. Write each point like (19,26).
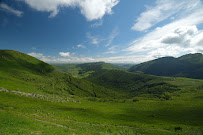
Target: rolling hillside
(132,84)
(25,73)
(36,98)
(28,74)
(111,77)
(190,65)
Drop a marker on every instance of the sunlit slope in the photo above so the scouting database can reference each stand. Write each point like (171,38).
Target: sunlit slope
(22,72)
(13,60)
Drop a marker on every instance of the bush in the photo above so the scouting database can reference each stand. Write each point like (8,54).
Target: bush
(135,100)
(166,96)
(177,128)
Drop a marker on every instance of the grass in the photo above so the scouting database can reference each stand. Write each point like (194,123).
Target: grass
(178,116)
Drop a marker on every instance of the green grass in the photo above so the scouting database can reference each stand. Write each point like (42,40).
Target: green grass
(143,116)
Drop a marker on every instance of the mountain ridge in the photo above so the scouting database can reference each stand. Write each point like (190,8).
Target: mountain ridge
(189,65)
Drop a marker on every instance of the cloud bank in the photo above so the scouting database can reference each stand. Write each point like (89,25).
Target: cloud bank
(162,10)
(71,59)
(178,37)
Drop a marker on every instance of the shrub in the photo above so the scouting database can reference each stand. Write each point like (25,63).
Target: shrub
(177,128)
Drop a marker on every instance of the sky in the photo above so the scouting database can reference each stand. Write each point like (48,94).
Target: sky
(113,31)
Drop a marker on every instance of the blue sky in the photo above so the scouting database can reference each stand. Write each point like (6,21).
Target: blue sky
(125,31)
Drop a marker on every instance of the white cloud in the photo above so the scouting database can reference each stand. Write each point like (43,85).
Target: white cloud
(112,50)
(93,39)
(168,51)
(181,34)
(96,9)
(97,24)
(118,59)
(81,46)
(91,9)
(184,39)
(37,55)
(198,39)
(65,54)
(8,9)
(112,36)
(126,59)
(163,10)
(106,41)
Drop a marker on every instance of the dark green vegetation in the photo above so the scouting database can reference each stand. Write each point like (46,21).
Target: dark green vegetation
(131,84)
(190,65)
(113,78)
(44,100)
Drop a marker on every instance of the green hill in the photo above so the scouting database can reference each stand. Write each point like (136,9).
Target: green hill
(111,77)
(190,65)
(25,73)
(131,84)
(86,69)
(13,60)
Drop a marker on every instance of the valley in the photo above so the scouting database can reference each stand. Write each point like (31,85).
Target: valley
(100,98)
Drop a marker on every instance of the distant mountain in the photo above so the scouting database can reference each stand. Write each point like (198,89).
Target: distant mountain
(19,71)
(84,70)
(190,65)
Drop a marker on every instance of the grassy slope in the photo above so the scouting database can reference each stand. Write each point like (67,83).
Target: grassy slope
(21,72)
(180,115)
(190,65)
